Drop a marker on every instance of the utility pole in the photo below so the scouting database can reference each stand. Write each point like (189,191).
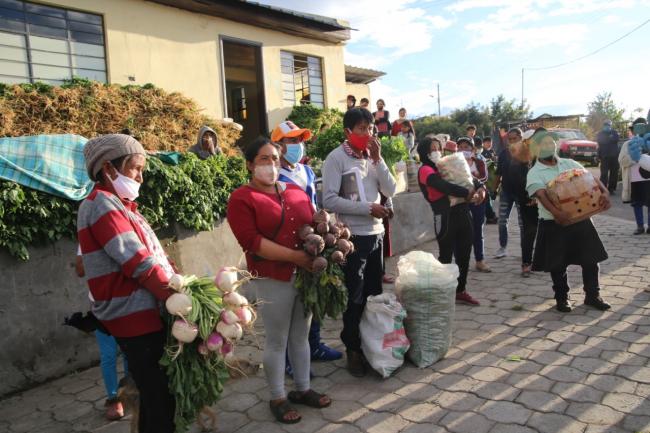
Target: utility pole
(522,89)
(438,99)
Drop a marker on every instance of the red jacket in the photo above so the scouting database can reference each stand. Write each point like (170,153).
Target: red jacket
(253,215)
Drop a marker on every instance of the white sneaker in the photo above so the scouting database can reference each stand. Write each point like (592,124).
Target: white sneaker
(501,252)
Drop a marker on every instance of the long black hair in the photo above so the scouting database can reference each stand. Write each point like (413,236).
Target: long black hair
(423,149)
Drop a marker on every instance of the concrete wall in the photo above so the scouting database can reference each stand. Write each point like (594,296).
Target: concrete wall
(179,51)
(358,90)
(39,293)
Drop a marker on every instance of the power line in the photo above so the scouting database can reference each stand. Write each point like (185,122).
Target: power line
(591,53)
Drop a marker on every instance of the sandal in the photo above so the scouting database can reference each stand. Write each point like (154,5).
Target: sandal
(280,410)
(309,398)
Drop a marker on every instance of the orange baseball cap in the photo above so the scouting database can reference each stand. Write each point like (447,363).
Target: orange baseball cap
(289,129)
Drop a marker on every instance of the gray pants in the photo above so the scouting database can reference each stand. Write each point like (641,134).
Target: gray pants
(285,325)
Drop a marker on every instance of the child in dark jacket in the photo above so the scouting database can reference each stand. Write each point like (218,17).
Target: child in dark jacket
(452,224)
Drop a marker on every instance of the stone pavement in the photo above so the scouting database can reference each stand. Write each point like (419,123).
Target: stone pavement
(515,366)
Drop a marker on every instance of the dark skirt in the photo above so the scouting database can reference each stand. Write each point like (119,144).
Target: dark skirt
(557,247)
(640,193)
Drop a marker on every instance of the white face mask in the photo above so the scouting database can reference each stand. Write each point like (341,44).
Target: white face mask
(125,187)
(435,156)
(467,154)
(267,174)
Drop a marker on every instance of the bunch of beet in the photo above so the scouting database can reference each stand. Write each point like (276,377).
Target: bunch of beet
(327,240)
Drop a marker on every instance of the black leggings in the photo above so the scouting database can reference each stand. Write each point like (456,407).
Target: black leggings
(454,233)
(529,218)
(157,405)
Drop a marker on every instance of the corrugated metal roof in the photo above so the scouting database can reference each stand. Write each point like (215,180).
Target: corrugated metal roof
(354,74)
(313,17)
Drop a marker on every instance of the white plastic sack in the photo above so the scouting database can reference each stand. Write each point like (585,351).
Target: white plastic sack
(454,169)
(427,289)
(383,339)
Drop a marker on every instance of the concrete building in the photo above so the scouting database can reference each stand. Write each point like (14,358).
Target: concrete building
(237,59)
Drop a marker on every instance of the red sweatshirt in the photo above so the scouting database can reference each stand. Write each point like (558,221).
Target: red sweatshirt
(253,215)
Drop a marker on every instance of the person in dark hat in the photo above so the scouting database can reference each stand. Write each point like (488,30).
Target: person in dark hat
(127,270)
(607,140)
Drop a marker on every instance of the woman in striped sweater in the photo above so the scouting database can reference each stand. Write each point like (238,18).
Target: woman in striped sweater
(127,270)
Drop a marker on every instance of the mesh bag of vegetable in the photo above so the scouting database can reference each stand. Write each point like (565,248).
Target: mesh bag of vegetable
(426,289)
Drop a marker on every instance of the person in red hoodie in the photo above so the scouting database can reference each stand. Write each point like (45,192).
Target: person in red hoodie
(127,270)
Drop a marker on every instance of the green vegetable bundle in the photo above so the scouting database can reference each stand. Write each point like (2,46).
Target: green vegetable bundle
(323,291)
(196,374)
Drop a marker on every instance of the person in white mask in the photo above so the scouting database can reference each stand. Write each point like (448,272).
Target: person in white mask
(452,225)
(265,216)
(291,140)
(127,270)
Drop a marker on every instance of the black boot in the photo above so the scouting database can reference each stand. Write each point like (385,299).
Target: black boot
(563,305)
(597,302)
(356,366)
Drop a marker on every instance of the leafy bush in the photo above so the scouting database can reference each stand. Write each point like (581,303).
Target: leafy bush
(315,119)
(194,193)
(326,142)
(393,150)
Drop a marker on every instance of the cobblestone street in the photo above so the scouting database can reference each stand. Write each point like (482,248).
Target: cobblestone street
(516,365)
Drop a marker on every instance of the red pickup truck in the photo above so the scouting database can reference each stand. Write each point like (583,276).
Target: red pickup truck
(575,145)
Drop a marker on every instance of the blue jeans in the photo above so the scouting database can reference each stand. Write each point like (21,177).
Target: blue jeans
(506,201)
(638,214)
(108,351)
(478,221)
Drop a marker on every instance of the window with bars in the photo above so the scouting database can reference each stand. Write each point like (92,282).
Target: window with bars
(302,80)
(49,44)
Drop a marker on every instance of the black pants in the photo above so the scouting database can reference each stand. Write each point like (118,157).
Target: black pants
(609,172)
(363,275)
(529,218)
(489,209)
(455,235)
(157,405)
(589,280)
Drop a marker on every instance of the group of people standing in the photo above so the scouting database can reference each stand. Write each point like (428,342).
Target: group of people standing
(128,271)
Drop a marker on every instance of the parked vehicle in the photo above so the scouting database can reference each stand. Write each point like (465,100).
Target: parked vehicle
(574,144)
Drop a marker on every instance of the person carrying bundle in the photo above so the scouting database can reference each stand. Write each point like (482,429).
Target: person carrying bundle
(559,243)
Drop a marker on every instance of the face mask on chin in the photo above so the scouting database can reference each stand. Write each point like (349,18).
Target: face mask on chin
(266,174)
(125,187)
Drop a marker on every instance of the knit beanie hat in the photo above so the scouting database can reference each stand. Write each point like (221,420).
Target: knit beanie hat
(107,148)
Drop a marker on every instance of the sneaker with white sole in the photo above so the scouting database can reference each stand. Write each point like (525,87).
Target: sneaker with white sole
(501,252)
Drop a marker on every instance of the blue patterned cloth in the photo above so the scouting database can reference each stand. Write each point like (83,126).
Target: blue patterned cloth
(53,164)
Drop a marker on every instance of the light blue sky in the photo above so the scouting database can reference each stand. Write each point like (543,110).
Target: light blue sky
(476,49)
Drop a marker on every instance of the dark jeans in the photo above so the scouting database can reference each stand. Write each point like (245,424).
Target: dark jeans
(314,335)
(609,172)
(478,221)
(589,280)
(506,202)
(157,405)
(363,274)
(453,229)
(489,209)
(529,218)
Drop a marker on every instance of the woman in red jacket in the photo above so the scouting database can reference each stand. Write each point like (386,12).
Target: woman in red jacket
(266,216)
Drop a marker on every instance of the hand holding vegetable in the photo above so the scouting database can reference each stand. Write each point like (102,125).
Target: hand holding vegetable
(304,260)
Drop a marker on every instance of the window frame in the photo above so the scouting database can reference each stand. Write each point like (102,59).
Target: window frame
(69,16)
(307,74)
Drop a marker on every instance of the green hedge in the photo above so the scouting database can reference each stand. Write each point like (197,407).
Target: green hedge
(194,193)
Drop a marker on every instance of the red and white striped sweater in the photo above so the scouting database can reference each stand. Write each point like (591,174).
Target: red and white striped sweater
(125,278)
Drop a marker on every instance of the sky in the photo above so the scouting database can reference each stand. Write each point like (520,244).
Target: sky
(476,49)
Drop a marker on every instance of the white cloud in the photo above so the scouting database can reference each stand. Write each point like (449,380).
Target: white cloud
(391,29)
(527,38)
(611,19)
